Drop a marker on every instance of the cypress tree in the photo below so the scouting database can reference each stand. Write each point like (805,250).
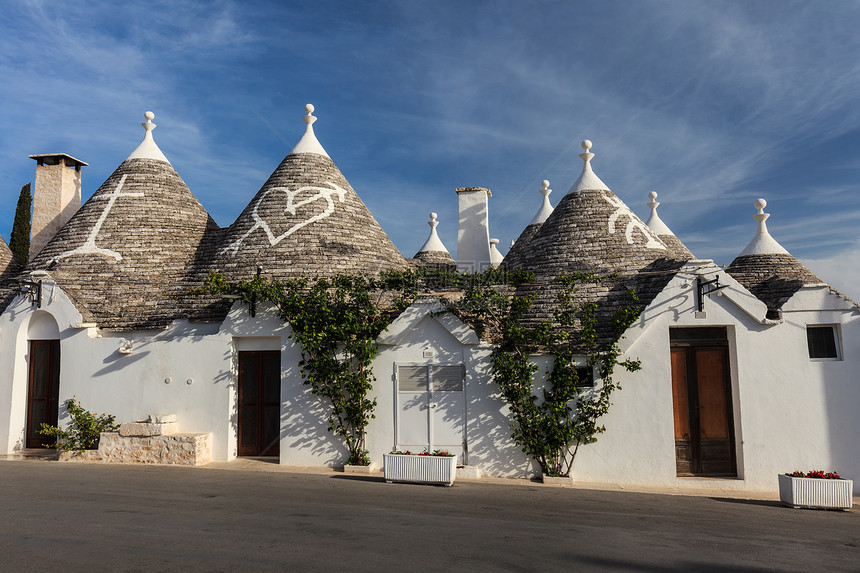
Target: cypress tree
(19,240)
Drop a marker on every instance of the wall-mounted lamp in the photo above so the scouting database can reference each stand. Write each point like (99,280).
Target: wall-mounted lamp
(33,291)
(710,287)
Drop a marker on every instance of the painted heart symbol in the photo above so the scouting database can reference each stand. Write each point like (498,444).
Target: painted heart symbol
(325,194)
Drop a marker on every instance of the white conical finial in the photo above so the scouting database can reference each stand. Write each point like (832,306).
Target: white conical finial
(587,145)
(433,242)
(545,209)
(148,125)
(496,257)
(309,142)
(654,222)
(763,243)
(587,179)
(147,148)
(309,118)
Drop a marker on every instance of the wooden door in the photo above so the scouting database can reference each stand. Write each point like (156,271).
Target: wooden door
(701,391)
(259,403)
(43,390)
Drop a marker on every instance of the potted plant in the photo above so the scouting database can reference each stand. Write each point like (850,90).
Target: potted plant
(816,489)
(438,467)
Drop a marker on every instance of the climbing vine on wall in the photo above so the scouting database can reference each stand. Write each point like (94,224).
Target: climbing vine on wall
(552,427)
(337,320)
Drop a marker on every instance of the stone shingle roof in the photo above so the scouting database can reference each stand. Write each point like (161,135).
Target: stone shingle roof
(593,231)
(666,235)
(768,270)
(132,247)
(306,220)
(436,259)
(520,247)
(678,249)
(9,268)
(773,278)
(433,252)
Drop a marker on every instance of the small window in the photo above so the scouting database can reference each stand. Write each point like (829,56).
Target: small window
(447,378)
(412,378)
(424,378)
(586,377)
(822,342)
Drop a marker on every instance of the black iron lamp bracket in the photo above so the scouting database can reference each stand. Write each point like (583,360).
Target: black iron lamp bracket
(707,288)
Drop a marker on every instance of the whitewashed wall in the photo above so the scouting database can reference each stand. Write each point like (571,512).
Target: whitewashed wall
(789,412)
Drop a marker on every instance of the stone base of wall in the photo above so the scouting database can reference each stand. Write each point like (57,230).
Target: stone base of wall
(174,449)
(149,442)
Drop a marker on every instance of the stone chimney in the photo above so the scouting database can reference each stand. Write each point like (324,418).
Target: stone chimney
(473,231)
(56,196)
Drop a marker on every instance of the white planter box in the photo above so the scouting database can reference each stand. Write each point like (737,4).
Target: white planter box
(558,481)
(816,493)
(354,469)
(439,470)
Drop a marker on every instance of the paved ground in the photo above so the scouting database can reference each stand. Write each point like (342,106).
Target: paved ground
(76,517)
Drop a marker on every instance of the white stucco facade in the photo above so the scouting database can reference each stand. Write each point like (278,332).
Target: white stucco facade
(788,411)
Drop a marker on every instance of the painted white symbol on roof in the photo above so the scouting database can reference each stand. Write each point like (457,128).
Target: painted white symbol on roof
(322,193)
(652,241)
(89,246)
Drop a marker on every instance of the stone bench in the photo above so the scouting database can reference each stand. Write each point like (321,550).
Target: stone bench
(152,441)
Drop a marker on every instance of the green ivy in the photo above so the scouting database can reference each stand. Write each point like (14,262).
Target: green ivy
(550,429)
(337,320)
(84,429)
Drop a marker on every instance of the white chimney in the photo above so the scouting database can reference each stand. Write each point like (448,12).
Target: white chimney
(473,232)
(56,196)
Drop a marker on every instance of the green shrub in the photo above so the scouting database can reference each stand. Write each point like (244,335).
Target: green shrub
(83,431)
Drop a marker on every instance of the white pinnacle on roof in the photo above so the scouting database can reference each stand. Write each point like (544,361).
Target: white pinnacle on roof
(587,179)
(762,243)
(309,142)
(654,222)
(147,148)
(433,242)
(546,209)
(496,257)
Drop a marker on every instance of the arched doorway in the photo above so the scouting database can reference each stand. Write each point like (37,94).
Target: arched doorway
(43,377)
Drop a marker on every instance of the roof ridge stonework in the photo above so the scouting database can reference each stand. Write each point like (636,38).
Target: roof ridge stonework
(773,278)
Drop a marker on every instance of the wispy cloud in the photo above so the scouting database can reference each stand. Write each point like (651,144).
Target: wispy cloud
(710,104)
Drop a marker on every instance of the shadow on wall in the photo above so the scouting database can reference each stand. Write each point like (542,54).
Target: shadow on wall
(305,437)
(842,396)
(489,428)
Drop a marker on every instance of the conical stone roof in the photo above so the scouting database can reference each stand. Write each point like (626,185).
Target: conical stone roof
(520,248)
(306,220)
(9,268)
(592,231)
(767,269)
(126,254)
(433,252)
(656,224)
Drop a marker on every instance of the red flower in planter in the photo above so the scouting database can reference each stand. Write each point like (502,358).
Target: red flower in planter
(816,474)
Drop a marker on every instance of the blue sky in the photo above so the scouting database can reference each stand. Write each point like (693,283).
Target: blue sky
(711,104)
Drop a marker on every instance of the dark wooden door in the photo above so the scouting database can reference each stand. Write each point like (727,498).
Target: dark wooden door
(43,392)
(701,391)
(259,403)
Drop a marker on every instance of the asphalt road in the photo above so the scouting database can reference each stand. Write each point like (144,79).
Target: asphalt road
(89,517)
